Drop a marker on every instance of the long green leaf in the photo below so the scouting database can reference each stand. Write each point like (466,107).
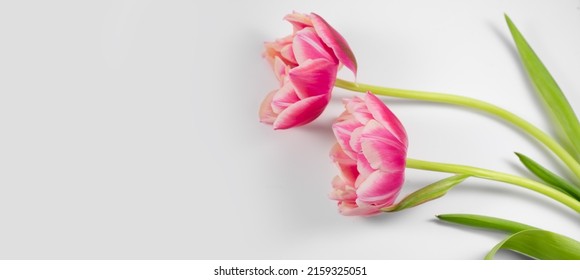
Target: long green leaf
(550,177)
(485,222)
(525,239)
(430,192)
(555,101)
(539,244)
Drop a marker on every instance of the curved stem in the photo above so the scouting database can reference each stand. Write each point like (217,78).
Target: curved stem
(524,125)
(496,176)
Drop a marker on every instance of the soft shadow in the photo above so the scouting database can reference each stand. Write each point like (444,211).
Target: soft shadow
(494,233)
(502,254)
(320,127)
(382,218)
(520,169)
(510,255)
(477,188)
(511,48)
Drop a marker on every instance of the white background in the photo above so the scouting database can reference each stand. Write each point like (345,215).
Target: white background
(129,129)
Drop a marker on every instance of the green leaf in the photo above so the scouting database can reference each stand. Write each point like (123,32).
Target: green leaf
(525,239)
(555,101)
(430,192)
(485,222)
(550,177)
(539,244)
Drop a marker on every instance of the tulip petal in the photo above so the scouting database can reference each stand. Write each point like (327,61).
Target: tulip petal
(307,45)
(344,117)
(274,49)
(299,21)
(339,156)
(374,131)
(377,205)
(313,77)
(355,137)
(348,173)
(380,188)
(341,191)
(280,69)
(284,97)
(287,53)
(385,117)
(301,112)
(342,131)
(357,107)
(353,209)
(384,156)
(347,166)
(335,41)
(266,113)
(363,166)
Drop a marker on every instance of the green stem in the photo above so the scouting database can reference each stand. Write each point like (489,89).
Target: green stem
(524,125)
(496,176)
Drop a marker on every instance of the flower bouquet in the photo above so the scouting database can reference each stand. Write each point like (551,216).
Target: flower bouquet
(371,143)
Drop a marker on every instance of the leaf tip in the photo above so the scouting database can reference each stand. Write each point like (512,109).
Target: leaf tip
(508,19)
(512,27)
(443,217)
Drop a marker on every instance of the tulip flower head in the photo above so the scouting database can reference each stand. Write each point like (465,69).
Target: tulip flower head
(305,64)
(370,154)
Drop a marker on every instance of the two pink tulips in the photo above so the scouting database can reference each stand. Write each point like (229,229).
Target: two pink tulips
(371,149)
(372,143)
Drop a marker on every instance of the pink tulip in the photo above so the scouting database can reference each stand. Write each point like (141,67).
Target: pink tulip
(370,154)
(305,64)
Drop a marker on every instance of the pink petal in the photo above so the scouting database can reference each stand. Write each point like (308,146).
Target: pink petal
(385,117)
(313,77)
(287,53)
(353,209)
(342,191)
(280,69)
(346,165)
(273,49)
(283,98)
(374,131)
(344,117)
(299,21)
(335,41)
(281,42)
(384,156)
(342,131)
(338,155)
(364,167)
(269,52)
(357,107)
(266,113)
(302,112)
(355,138)
(375,205)
(307,45)
(348,173)
(346,101)
(380,188)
